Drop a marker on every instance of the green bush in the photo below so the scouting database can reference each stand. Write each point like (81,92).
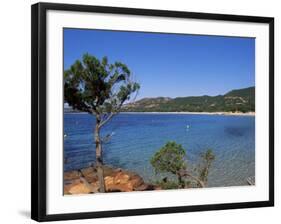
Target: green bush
(171,158)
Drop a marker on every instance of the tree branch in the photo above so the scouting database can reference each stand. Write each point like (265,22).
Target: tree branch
(185,173)
(107,119)
(117,109)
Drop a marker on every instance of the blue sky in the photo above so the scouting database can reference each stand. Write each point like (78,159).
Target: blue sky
(170,64)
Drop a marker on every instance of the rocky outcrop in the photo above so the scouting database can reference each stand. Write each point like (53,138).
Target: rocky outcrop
(85,181)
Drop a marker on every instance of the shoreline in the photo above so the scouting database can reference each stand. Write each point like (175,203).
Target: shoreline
(85,181)
(183,113)
(197,113)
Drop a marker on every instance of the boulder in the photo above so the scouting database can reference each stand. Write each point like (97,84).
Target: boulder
(108,180)
(119,182)
(80,188)
(107,171)
(68,184)
(126,187)
(77,187)
(71,175)
(121,178)
(95,186)
(90,174)
(88,170)
(136,181)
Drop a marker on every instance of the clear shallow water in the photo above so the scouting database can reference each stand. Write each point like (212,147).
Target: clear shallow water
(138,136)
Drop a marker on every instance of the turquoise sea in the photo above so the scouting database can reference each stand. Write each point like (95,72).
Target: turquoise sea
(136,137)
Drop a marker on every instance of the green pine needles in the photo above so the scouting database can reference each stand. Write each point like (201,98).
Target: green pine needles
(171,158)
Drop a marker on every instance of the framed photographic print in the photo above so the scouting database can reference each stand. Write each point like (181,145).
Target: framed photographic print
(139,111)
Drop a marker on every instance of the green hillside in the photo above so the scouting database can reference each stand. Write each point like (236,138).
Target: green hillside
(239,100)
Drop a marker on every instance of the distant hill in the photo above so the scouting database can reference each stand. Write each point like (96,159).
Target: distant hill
(239,100)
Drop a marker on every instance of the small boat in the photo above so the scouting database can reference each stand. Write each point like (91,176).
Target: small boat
(187,126)
(65,135)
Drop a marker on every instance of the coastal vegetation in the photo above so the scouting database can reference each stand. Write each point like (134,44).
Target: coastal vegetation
(100,89)
(240,100)
(171,158)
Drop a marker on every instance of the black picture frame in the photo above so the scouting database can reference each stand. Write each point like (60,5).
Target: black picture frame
(39,122)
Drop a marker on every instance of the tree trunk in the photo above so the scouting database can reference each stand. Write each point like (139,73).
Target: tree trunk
(181,182)
(99,161)
(205,173)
